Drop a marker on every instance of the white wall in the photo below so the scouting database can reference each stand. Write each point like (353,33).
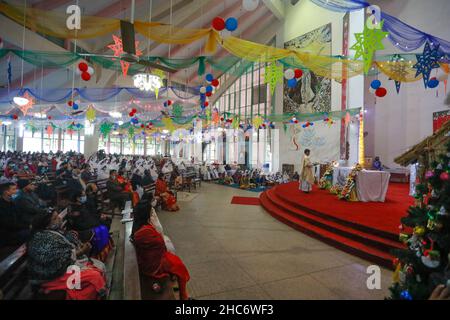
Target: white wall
(304,17)
(397,122)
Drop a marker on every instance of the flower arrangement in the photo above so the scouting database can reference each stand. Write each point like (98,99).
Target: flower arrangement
(326,182)
(350,184)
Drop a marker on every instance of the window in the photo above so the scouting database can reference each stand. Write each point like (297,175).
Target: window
(7,138)
(32,141)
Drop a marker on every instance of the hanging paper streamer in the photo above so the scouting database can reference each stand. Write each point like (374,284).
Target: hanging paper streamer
(49,130)
(273,75)
(427,61)
(257,121)
(367,42)
(177,110)
(168,123)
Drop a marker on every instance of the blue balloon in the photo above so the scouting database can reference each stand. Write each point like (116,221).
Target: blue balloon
(209,77)
(433,83)
(292,83)
(304,125)
(231,24)
(165,104)
(375,84)
(209,88)
(75,106)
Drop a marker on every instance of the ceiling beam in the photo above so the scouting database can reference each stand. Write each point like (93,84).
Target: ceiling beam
(277,7)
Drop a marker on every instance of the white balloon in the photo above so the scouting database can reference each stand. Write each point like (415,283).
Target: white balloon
(202,90)
(371,90)
(91,70)
(250,5)
(77,71)
(289,74)
(225,33)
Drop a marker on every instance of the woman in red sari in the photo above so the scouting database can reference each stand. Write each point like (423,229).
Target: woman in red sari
(162,191)
(153,258)
(128,188)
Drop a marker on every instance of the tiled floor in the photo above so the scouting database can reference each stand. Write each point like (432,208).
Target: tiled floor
(241,252)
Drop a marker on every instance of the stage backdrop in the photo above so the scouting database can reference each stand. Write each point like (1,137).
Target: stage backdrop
(312,93)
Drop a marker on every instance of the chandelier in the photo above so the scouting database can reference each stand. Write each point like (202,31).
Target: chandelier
(147,82)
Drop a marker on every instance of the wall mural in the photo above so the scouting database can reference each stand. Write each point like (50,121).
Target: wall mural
(312,93)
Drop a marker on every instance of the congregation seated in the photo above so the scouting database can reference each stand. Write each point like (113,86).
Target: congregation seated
(14,229)
(147,179)
(154,259)
(116,190)
(51,250)
(168,199)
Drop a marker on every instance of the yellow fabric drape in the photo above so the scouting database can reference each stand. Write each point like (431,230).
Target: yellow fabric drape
(54,23)
(174,35)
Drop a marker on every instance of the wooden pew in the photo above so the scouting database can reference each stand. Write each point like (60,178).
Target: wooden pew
(137,286)
(14,283)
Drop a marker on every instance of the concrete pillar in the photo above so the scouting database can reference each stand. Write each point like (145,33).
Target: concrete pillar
(91,143)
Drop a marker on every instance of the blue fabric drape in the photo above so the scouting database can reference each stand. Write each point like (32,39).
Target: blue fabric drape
(402,35)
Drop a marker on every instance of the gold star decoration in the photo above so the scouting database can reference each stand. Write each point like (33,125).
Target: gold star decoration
(367,42)
(90,114)
(398,68)
(117,47)
(29,105)
(273,75)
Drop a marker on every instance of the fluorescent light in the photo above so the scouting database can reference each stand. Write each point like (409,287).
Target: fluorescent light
(120,122)
(115,114)
(20,101)
(165,131)
(40,115)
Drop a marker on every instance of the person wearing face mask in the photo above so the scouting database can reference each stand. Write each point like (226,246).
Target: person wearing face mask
(51,251)
(13,230)
(28,202)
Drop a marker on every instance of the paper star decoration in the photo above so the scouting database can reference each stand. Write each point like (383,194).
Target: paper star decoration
(29,105)
(367,42)
(273,75)
(117,47)
(90,114)
(427,61)
(398,67)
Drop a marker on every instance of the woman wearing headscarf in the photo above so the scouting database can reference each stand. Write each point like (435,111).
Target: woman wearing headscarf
(51,251)
(162,191)
(154,259)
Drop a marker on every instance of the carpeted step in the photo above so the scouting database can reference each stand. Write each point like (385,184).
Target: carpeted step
(343,243)
(375,241)
(324,215)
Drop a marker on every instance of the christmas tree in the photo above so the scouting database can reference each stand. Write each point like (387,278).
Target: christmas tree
(424,264)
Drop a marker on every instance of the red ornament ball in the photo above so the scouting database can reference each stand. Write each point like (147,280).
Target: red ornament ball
(142,126)
(208,94)
(444,176)
(218,23)
(395,262)
(206,103)
(221,119)
(380,92)
(70,103)
(49,117)
(298,73)
(85,76)
(83,67)
(215,83)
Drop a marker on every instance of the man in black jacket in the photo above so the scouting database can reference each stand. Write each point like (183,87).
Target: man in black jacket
(13,231)
(27,202)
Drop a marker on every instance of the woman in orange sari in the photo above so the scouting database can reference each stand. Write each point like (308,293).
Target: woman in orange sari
(162,191)
(128,188)
(153,258)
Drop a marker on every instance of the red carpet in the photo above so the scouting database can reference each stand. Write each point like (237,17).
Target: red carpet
(251,201)
(369,230)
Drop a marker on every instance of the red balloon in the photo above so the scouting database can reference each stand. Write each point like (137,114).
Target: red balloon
(83,66)
(298,73)
(131,114)
(218,23)
(134,110)
(15,117)
(208,94)
(142,126)
(169,102)
(206,103)
(215,83)
(85,76)
(70,103)
(380,92)
(49,117)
